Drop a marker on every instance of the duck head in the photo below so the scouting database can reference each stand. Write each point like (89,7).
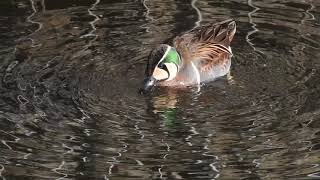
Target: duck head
(163,65)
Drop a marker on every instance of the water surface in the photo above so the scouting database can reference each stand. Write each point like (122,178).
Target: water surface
(69,106)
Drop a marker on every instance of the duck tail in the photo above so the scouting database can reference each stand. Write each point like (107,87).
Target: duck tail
(218,33)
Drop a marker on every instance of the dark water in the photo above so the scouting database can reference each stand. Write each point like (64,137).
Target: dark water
(69,107)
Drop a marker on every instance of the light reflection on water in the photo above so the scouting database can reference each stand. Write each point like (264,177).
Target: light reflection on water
(69,105)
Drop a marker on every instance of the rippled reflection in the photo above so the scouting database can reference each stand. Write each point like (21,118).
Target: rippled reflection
(193,4)
(69,106)
(254,26)
(39,24)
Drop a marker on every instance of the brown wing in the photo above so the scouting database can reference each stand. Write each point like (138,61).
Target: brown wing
(209,55)
(217,33)
(208,43)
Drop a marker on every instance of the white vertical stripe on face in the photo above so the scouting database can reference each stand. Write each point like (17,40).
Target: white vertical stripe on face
(165,54)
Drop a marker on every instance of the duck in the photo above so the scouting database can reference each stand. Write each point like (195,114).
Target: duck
(199,55)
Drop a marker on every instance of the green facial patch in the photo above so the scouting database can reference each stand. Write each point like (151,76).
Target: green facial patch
(173,57)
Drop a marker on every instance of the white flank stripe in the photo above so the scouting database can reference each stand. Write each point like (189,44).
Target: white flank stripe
(230,50)
(197,73)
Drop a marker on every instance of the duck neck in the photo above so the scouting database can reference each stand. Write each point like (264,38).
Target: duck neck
(174,57)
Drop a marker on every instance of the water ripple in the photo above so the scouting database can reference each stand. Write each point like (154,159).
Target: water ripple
(70,149)
(114,159)
(308,13)
(147,15)
(92,23)
(253,26)
(139,131)
(314,175)
(43,4)
(29,19)
(60,167)
(212,164)
(1,170)
(194,132)
(16,140)
(193,4)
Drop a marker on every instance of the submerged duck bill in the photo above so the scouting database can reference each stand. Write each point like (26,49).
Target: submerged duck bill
(148,84)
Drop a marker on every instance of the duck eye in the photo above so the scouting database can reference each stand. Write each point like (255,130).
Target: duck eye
(161,65)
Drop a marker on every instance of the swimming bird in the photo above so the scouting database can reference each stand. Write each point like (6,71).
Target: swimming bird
(199,55)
